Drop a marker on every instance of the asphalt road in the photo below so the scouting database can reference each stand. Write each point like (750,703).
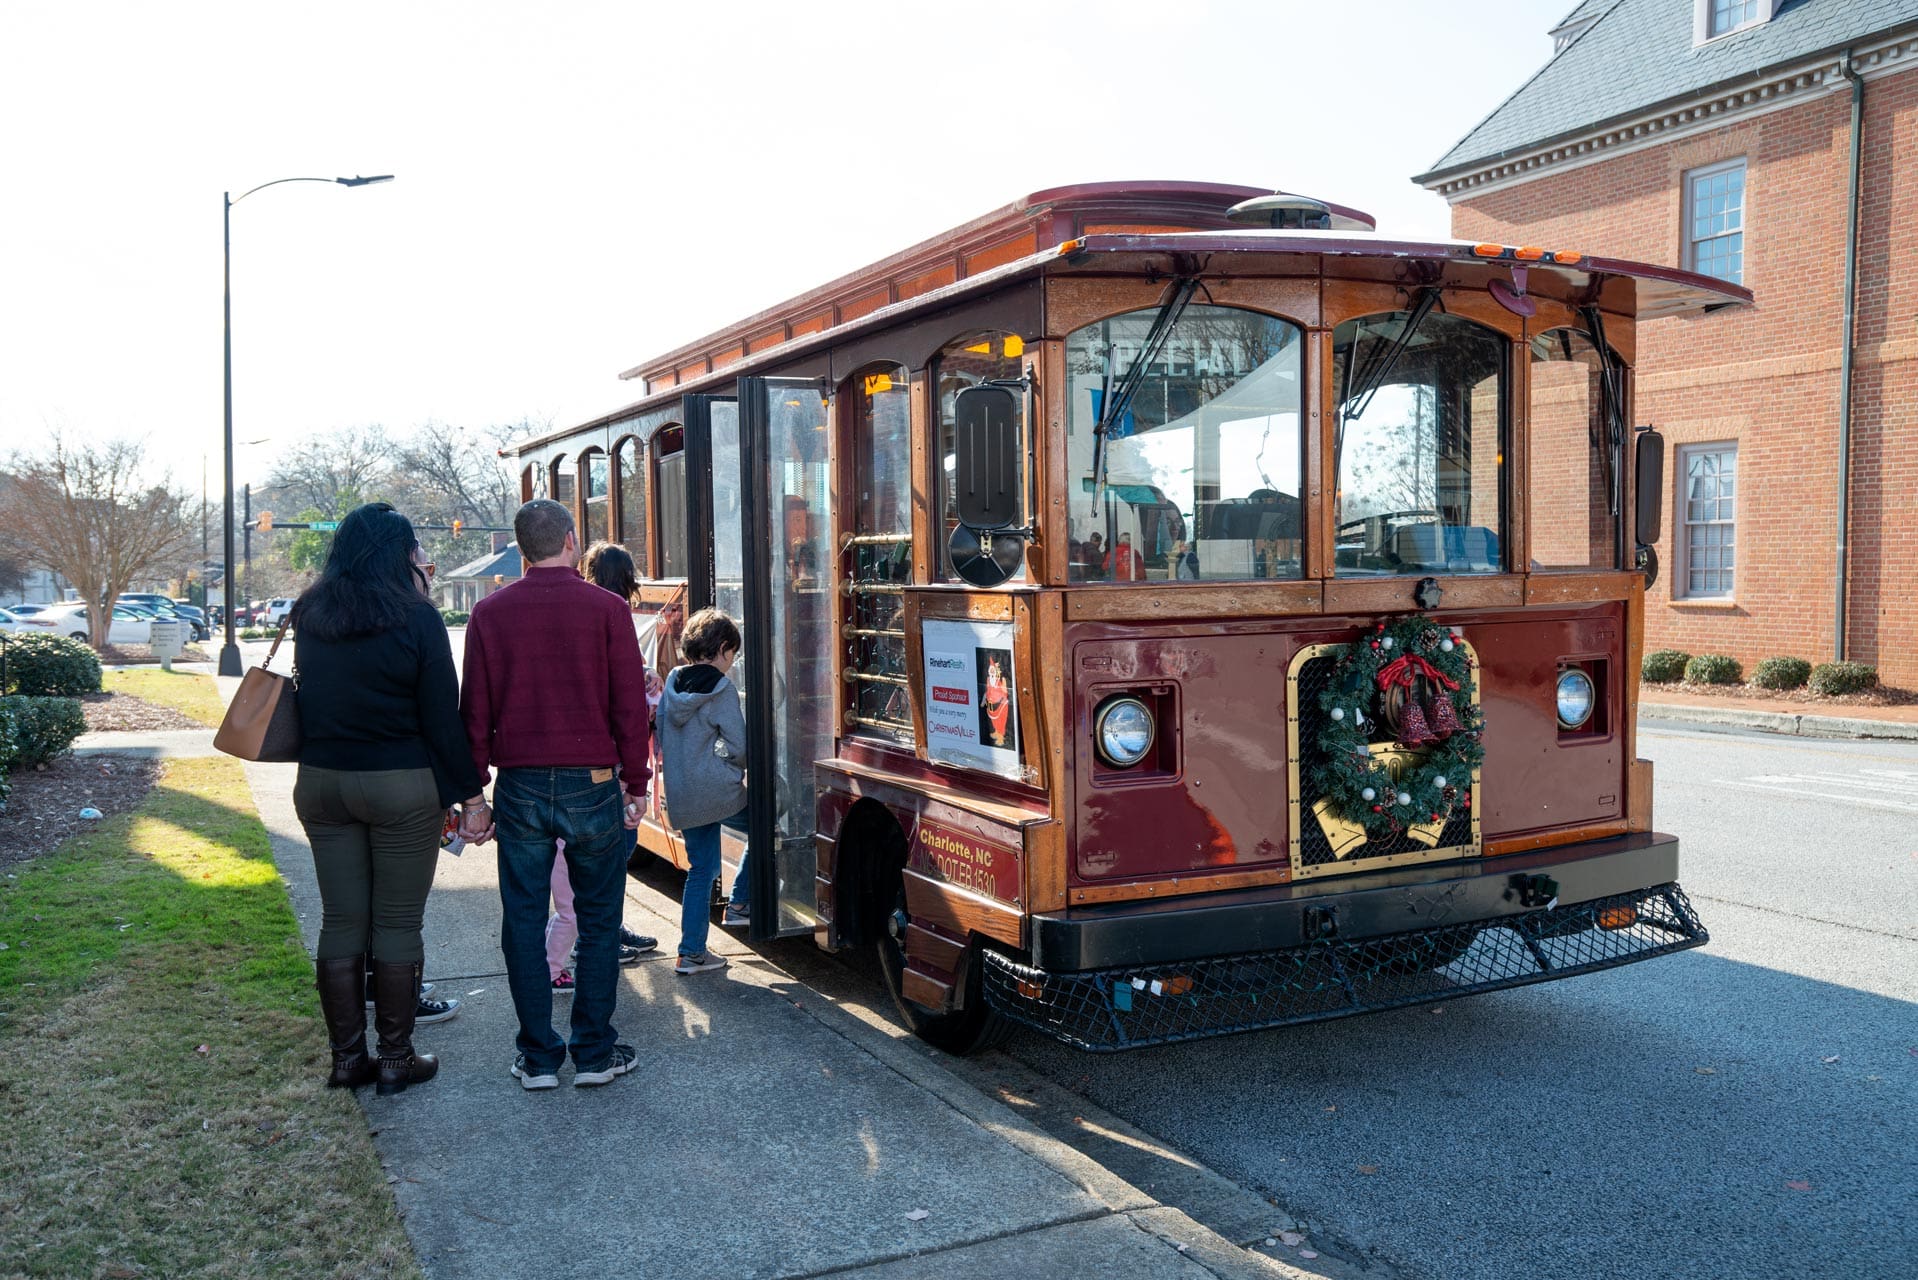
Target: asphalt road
(1748,1109)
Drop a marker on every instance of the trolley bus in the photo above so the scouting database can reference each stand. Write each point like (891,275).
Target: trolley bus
(1173,609)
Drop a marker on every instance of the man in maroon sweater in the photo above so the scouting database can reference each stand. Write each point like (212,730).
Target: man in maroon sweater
(554,698)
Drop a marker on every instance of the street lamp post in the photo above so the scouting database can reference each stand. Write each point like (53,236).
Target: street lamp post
(230,652)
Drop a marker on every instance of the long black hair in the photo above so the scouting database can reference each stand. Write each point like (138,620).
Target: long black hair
(369,581)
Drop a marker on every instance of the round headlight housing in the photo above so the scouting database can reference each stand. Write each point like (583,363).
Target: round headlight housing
(1576,698)
(1122,731)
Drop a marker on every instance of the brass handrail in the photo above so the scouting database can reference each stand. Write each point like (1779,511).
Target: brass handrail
(873,677)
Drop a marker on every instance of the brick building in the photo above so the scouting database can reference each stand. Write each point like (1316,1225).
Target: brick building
(1718,135)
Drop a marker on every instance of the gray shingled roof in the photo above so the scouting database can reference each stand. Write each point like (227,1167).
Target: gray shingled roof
(1639,54)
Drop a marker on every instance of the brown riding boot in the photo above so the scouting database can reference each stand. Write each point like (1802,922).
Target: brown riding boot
(339,983)
(396,999)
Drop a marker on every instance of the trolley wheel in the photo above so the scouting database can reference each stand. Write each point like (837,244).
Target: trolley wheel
(974,1028)
(1419,955)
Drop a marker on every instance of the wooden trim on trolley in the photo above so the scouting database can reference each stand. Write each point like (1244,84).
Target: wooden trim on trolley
(1547,839)
(906,792)
(1595,587)
(1394,595)
(1179,886)
(961,913)
(1247,599)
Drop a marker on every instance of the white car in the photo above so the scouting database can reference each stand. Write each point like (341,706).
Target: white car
(276,610)
(16,619)
(127,626)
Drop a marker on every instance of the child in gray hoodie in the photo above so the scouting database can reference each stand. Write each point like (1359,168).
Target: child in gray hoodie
(702,749)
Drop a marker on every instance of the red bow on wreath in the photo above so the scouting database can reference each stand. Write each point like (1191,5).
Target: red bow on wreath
(1405,671)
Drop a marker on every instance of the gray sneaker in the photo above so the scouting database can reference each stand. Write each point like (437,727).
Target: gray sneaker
(618,1064)
(704,962)
(530,1078)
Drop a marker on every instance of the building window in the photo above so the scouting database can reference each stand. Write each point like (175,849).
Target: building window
(1708,525)
(1729,15)
(1715,221)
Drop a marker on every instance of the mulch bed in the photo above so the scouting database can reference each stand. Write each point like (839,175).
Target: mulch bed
(1884,696)
(44,808)
(141,655)
(123,711)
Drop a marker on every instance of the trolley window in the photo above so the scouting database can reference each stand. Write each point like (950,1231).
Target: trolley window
(1201,470)
(983,357)
(1421,405)
(1572,457)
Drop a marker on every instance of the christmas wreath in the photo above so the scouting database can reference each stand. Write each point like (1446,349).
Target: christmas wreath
(1425,665)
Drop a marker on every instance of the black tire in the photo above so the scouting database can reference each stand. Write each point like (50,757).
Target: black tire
(972,1029)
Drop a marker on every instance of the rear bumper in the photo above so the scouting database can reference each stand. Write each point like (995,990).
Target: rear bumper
(1361,906)
(1161,972)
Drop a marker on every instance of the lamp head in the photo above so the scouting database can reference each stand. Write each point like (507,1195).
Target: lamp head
(364,182)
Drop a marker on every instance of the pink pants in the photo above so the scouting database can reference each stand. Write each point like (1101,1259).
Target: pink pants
(562,931)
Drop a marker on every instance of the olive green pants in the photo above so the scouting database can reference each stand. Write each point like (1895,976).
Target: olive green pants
(376,841)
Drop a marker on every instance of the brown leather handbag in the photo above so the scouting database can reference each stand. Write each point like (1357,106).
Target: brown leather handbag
(263,720)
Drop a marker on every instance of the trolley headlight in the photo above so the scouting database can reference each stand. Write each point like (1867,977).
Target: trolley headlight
(1575,698)
(1123,731)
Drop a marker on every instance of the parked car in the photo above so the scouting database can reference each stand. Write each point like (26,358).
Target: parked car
(277,609)
(15,618)
(166,608)
(127,627)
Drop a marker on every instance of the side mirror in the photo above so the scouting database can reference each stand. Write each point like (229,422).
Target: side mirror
(1648,483)
(986,457)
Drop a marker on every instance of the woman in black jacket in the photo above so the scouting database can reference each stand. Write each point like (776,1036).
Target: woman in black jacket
(383,754)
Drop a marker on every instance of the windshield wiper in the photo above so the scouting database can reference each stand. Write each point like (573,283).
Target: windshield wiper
(1353,403)
(1611,395)
(1115,401)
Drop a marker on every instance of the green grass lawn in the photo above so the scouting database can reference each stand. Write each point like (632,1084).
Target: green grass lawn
(188,692)
(163,1109)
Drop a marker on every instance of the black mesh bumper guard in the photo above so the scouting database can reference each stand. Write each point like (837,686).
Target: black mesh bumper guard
(1111,1009)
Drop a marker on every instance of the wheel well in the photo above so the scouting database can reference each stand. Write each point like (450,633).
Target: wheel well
(866,871)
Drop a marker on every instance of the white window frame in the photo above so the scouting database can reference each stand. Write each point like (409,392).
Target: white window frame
(1702,32)
(1682,526)
(1691,243)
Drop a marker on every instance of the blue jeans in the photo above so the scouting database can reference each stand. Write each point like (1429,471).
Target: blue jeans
(742,897)
(532,808)
(696,900)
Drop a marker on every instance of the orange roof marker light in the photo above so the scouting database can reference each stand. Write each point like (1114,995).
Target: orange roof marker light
(1489,250)
(1528,254)
(1072,246)
(1566,256)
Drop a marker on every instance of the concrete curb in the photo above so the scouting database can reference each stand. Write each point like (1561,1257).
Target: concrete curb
(1802,726)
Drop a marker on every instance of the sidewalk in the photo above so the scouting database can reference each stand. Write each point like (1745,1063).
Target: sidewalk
(765,1133)
(1777,715)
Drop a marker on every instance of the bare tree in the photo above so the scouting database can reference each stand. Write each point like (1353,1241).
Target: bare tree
(88,512)
(350,465)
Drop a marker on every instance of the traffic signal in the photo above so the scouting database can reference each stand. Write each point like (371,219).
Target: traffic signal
(266,521)
(456,527)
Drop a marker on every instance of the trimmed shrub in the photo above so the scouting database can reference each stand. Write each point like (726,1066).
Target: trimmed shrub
(1664,666)
(1828,678)
(1781,673)
(1713,668)
(51,666)
(6,751)
(456,617)
(43,728)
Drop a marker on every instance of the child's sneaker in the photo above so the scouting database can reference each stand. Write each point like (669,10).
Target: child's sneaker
(563,985)
(735,917)
(639,942)
(705,962)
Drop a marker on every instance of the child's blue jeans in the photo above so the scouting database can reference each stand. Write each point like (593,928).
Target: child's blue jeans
(696,901)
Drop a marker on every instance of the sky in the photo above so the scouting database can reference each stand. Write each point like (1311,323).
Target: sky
(581,186)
